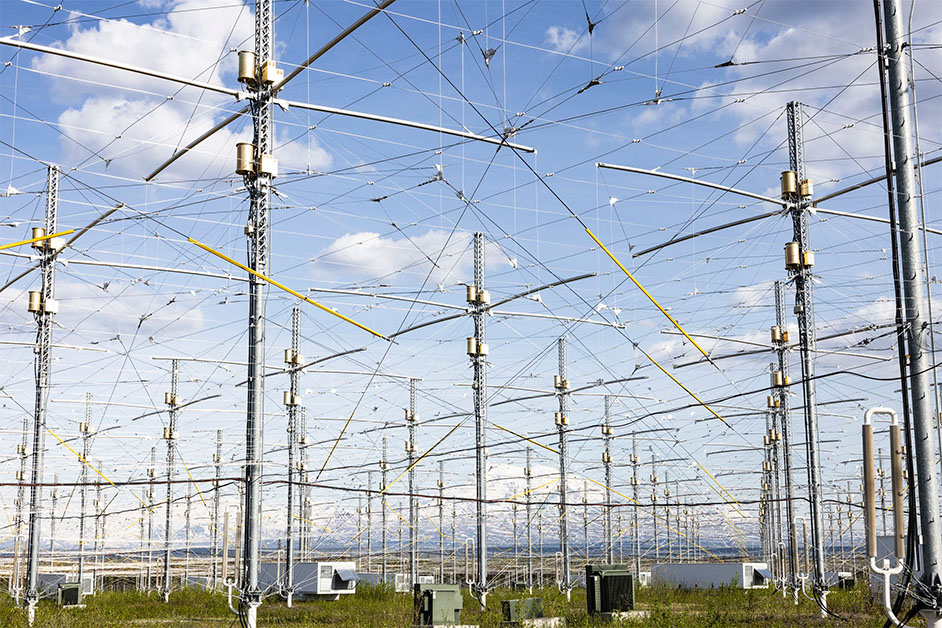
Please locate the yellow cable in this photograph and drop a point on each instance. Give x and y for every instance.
(647, 294)
(40, 239)
(523, 437)
(312, 523)
(92, 467)
(285, 288)
(419, 459)
(509, 499)
(336, 442)
(196, 486)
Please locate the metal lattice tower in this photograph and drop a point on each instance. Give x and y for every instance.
(383, 466)
(441, 520)
(85, 429)
(259, 188)
(292, 401)
(636, 524)
(411, 418)
(785, 421)
(479, 305)
(369, 522)
(217, 463)
(54, 500)
(186, 533)
(21, 526)
(528, 472)
(657, 548)
(305, 507)
(43, 366)
(798, 206)
(151, 477)
(561, 384)
(170, 435)
(607, 460)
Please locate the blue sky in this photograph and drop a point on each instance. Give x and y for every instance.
(361, 206)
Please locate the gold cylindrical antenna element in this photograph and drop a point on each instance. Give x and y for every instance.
(896, 467)
(792, 255)
(35, 301)
(246, 67)
(807, 188)
(870, 504)
(245, 158)
(789, 183)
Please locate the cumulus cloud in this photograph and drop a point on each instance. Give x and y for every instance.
(135, 122)
(369, 256)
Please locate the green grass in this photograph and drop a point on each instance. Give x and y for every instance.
(376, 607)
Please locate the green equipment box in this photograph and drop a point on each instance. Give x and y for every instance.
(438, 604)
(518, 610)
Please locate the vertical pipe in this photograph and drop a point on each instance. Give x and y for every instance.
(912, 272)
(870, 504)
(43, 369)
(225, 548)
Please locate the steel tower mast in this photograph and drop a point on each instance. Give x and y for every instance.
(607, 432)
(170, 435)
(478, 300)
(44, 306)
(293, 360)
(561, 384)
(797, 193)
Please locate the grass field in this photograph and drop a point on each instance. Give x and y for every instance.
(374, 607)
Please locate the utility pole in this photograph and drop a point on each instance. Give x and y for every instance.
(172, 401)
(441, 521)
(43, 305)
(797, 191)
(411, 418)
(292, 399)
(258, 167)
(561, 384)
(478, 301)
(636, 523)
(780, 338)
(916, 332)
(383, 469)
(607, 432)
(528, 473)
(85, 430)
(217, 462)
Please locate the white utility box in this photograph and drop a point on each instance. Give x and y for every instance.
(711, 575)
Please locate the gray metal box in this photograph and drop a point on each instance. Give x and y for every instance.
(518, 610)
(609, 589)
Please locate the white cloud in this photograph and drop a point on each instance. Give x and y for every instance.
(369, 256)
(135, 126)
(564, 39)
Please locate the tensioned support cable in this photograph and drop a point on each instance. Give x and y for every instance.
(285, 288)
